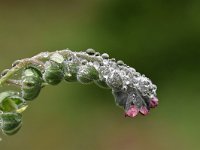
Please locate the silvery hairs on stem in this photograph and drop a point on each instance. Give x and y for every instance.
(132, 91)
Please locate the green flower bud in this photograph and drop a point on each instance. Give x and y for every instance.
(53, 73)
(10, 123)
(101, 84)
(11, 102)
(87, 73)
(31, 83)
(114, 81)
(70, 71)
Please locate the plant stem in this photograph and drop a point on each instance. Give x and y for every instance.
(16, 83)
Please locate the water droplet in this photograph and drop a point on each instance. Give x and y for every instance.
(97, 54)
(105, 61)
(84, 62)
(96, 64)
(4, 72)
(90, 51)
(45, 54)
(122, 73)
(104, 71)
(15, 63)
(124, 88)
(84, 74)
(112, 59)
(120, 62)
(105, 56)
(114, 81)
(70, 71)
(56, 57)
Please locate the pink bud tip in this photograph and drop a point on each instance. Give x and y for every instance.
(154, 102)
(132, 112)
(144, 110)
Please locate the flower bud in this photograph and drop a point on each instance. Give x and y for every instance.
(70, 71)
(31, 83)
(10, 123)
(11, 102)
(153, 102)
(144, 111)
(120, 98)
(87, 73)
(101, 84)
(53, 73)
(114, 81)
(132, 111)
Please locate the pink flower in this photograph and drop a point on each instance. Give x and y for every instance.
(144, 110)
(154, 102)
(132, 111)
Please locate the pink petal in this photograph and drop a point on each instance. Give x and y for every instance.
(154, 102)
(132, 112)
(144, 110)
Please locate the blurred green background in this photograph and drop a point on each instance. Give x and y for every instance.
(160, 38)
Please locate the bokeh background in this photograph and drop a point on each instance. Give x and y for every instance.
(160, 38)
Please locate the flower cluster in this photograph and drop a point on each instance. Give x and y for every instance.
(132, 91)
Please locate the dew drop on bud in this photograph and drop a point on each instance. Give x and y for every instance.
(45, 54)
(90, 51)
(105, 56)
(70, 71)
(4, 72)
(114, 81)
(87, 73)
(56, 57)
(15, 63)
(113, 59)
(97, 54)
(84, 62)
(96, 64)
(120, 62)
